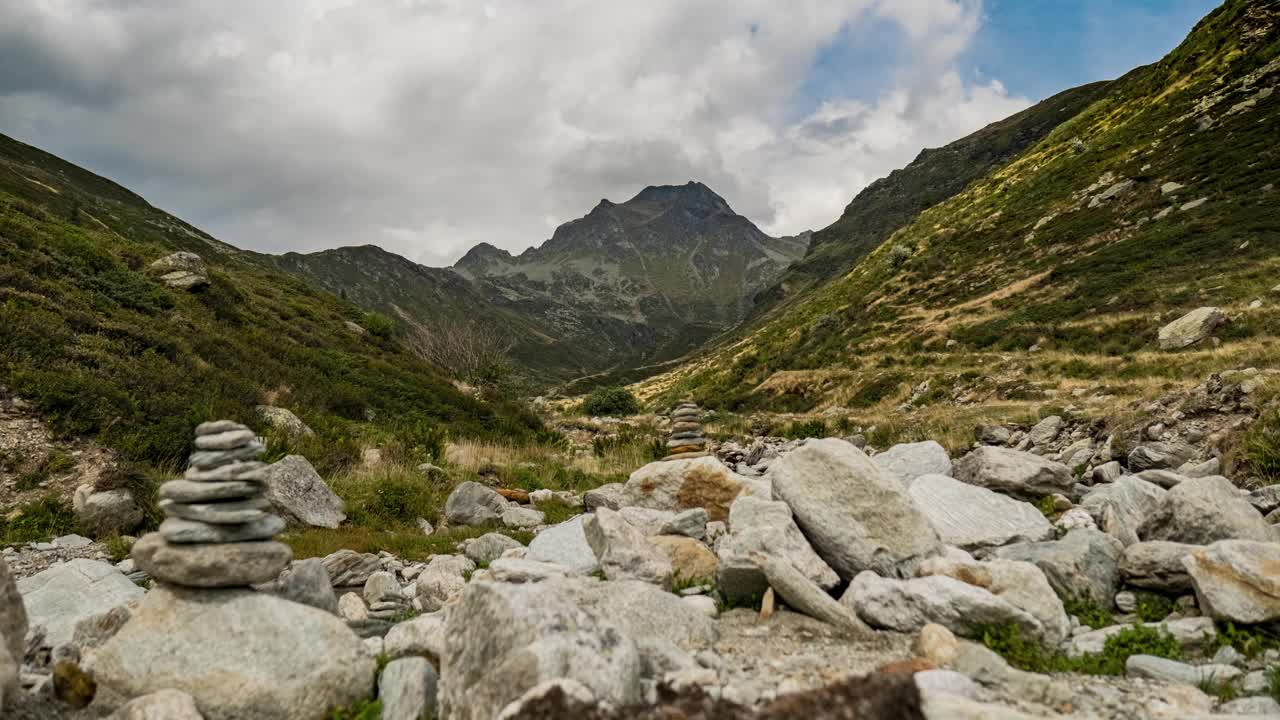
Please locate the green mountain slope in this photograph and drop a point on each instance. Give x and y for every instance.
(1054, 272)
(103, 348)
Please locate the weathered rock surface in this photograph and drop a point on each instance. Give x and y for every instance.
(1123, 507)
(422, 636)
(1158, 668)
(565, 544)
(690, 523)
(106, 512)
(1083, 562)
(758, 525)
(1013, 472)
(443, 578)
(612, 496)
(284, 420)
(240, 654)
(690, 559)
(1191, 328)
(210, 566)
(300, 495)
(407, 689)
(160, 705)
(182, 270)
(1237, 580)
(971, 517)
(306, 582)
(488, 547)
(1158, 456)
(474, 504)
(1200, 511)
(65, 594)
(623, 551)
(801, 594)
(855, 516)
(909, 605)
(348, 568)
(909, 461)
(682, 485)
(1020, 584)
(1156, 565)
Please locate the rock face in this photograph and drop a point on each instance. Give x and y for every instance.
(65, 594)
(13, 617)
(300, 495)
(239, 653)
(1020, 584)
(908, 605)
(565, 544)
(105, 512)
(1157, 565)
(678, 485)
(855, 516)
(757, 525)
(971, 517)
(407, 689)
(161, 705)
(1123, 507)
(1013, 472)
(474, 504)
(1237, 580)
(1083, 562)
(1200, 511)
(623, 551)
(1191, 328)
(182, 270)
(909, 461)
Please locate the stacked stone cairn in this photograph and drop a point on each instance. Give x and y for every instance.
(385, 598)
(687, 441)
(219, 528)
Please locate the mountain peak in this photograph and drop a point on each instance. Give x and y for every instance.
(692, 193)
(482, 256)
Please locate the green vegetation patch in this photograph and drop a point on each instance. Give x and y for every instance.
(1032, 656)
(611, 402)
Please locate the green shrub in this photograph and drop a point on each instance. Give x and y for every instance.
(367, 709)
(58, 462)
(1250, 640)
(1153, 607)
(1088, 611)
(391, 496)
(1273, 682)
(1033, 656)
(611, 401)
(38, 520)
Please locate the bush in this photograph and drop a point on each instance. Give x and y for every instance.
(1032, 656)
(612, 401)
(38, 520)
(1088, 612)
(390, 496)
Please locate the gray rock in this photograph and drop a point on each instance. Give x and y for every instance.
(1045, 431)
(422, 636)
(565, 544)
(234, 512)
(1212, 466)
(1158, 456)
(300, 495)
(380, 586)
(1266, 499)
(678, 485)
(802, 595)
(10, 679)
(1191, 634)
(206, 460)
(623, 551)
(284, 420)
(1256, 706)
(306, 582)
(647, 520)
(909, 605)
(992, 434)
(1158, 668)
(1020, 584)
(187, 491)
(182, 270)
(1191, 328)
(1200, 511)
(225, 440)
(241, 654)
(1083, 563)
(642, 611)
(518, 517)
(1164, 478)
(444, 577)
(348, 568)
(246, 470)
(211, 566)
(855, 516)
(609, 496)
(474, 504)
(949, 706)
(214, 427)
(909, 461)
(1013, 472)
(971, 517)
(518, 570)
(160, 705)
(65, 594)
(689, 523)
(764, 526)
(528, 634)
(13, 617)
(182, 532)
(488, 547)
(1237, 580)
(1157, 565)
(407, 689)
(1107, 472)
(106, 512)
(1123, 507)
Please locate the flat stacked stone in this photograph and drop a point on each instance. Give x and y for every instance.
(220, 528)
(686, 441)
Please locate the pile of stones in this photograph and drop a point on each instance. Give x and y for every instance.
(219, 529)
(385, 598)
(687, 441)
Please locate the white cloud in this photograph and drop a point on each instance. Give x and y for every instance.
(426, 126)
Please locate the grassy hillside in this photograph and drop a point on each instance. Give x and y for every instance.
(1050, 276)
(104, 349)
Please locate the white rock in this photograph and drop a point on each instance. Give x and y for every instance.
(161, 705)
(702, 604)
(1158, 668)
(972, 517)
(351, 607)
(522, 518)
(1021, 584)
(623, 551)
(678, 485)
(565, 544)
(443, 578)
(1192, 327)
(407, 689)
(1204, 510)
(909, 461)
(909, 605)
(474, 504)
(764, 526)
(67, 593)
(1013, 472)
(1237, 580)
(422, 636)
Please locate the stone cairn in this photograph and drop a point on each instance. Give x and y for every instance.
(687, 441)
(218, 533)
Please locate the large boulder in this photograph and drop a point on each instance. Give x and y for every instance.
(348, 568)
(1200, 511)
(182, 270)
(300, 495)
(623, 551)
(69, 592)
(488, 547)
(442, 580)
(908, 605)
(1159, 456)
(684, 484)
(13, 617)
(1013, 472)
(1191, 328)
(565, 544)
(307, 582)
(855, 516)
(1157, 565)
(241, 654)
(802, 595)
(1237, 580)
(1084, 563)
(642, 611)
(1020, 584)
(407, 689)
(284, 420)
(757, 525)
(474, 504)
(691, 560)
(972, 517)
(1123, 507)
(909, 461)
(106, 512)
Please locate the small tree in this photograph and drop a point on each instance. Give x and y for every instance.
(613, 401)
(473, 353)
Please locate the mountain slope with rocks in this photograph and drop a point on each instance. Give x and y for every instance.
(1060, 273)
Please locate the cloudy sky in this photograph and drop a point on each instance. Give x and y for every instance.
(427, 126)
